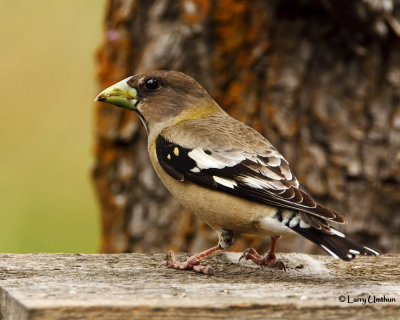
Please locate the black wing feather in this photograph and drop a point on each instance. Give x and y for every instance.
(176, 161)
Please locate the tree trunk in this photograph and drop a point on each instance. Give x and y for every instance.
(319, 79)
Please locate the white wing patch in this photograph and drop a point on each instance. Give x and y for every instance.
(257, 183)
(225, 182)
(204, 160)
(337, 233)
(230, 158)
(260, 164)
(215, 161)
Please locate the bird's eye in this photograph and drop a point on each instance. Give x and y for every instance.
(152, 83)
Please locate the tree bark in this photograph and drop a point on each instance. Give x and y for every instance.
(319, 79)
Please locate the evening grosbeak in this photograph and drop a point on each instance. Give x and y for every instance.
(224, 171)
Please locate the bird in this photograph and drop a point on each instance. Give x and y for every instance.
(224, 171)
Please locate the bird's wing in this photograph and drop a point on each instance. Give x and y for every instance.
(264, 178)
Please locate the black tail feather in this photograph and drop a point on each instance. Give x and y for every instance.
(335, 243)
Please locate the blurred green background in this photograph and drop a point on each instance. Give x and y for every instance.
(47, 86)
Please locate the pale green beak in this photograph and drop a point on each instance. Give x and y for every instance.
(119, 94)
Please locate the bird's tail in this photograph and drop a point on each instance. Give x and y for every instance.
(335, 243)
(321, 233)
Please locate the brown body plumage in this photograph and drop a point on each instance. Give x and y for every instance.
(223, 170)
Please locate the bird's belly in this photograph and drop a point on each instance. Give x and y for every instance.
(221, 210)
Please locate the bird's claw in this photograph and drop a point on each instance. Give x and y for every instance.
(244, 254)
(268, 260)
(190, 263)
(207, 270)
(276, 264)
(170, 256)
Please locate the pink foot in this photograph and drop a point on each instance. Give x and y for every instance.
(268, 260)
(191, 263)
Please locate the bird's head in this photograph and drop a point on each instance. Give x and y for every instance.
(161, 98)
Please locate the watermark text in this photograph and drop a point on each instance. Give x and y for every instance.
(366, 299)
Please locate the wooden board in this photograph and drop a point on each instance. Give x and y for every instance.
(134, 286)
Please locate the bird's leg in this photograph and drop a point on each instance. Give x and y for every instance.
(225, 240)
(269, 259)
(191, 263)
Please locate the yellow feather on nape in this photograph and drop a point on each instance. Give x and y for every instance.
(198, 112)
